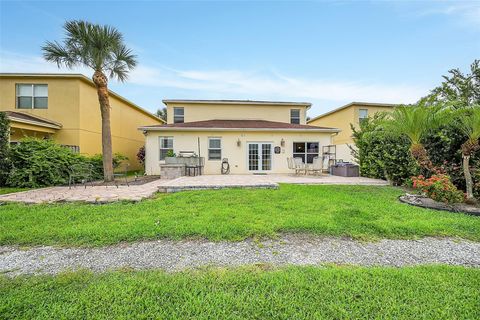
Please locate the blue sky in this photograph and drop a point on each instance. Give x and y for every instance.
(325, 52)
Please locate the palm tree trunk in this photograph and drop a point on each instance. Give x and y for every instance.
(101, 82)
(468, 176)
(420, 155)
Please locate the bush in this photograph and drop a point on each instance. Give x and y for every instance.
(39, 163)
(381, 155)
(5, 163)
(439, 188)
(141, 155)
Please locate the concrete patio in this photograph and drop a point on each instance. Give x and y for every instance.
(102, 194)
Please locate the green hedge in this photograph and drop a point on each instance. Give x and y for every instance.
(38, 163)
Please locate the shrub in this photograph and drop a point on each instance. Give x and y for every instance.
(141, 155)
(5, 164)
(381, 155)
(38, 163)
(438, 187)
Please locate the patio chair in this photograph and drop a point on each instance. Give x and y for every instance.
(121, 171)
(316, 167)
(300, 167)
(290, 163)
(80, 172)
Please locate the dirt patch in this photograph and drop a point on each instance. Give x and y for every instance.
(425, 202)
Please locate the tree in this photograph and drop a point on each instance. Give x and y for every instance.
(469, 124)
(102, 49)
(460, 89)
(5, 164)
(414, 122)
(162, 114)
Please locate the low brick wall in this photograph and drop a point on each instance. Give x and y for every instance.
(172, 171)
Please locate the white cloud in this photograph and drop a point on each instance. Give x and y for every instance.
(237, 83)
(464, 12)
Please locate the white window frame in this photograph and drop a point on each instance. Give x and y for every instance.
(160, 139)
(33, 96)
(297, 118)
(181, 118)
(306, 153)
(360, 118)
(210, 148)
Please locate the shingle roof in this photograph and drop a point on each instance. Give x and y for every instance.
(238, 124)
(25, 117)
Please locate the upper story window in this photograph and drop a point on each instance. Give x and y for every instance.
(178, 115)
(362, 115)
(32, 96)
(295, 116)
(214, 148)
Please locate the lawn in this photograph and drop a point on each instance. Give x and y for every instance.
(426, 292)
(10, 190)
(362, 212)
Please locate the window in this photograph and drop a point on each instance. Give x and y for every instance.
(306, 150)
(362, 115)
(214, 148)
(178, 115)
(32, 96)
(295, 116)
(166, 145)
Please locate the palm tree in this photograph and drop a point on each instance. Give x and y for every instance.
(469, 123)
(414, 122)
(100, 48)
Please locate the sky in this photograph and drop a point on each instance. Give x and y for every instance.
(328, 53)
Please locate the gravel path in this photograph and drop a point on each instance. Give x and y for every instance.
(287, 250)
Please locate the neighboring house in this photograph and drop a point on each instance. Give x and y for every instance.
(342, 117)
(64, 107)
(255, 136)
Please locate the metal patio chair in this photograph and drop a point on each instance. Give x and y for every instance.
(80, 172)
(316, 167)
(300, 167)
(121, 172)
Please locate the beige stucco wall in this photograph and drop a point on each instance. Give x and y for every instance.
(237, 156)
(201, 112)
(124, 122)
(343, 118)
(73, 102)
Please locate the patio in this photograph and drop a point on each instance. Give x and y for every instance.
(102, 194)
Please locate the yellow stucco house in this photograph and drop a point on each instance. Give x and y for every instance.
(64, 107)
(342, 117)
(255, 136)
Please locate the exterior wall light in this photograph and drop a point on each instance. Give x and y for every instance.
(282, 142)
(239, 143)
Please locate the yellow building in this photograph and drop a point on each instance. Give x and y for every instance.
(342, 117)
(255, 136)
(64, 107)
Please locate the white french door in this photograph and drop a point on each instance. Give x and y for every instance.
(259, 156)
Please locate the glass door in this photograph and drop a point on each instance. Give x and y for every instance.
(259, 156)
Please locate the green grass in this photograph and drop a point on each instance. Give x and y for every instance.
(11, 190)
(362, 212)
(427, 292)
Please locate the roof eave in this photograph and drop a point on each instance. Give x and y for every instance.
(331, 130)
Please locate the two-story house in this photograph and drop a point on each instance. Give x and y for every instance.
(64, 107)
(255, 136)
(349, 114)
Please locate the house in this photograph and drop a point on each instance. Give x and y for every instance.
(255, 136)
(64, 107)
(342, 117)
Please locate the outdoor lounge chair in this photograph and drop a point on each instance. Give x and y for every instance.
(316, 167)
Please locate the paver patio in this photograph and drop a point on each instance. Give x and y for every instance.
(102, 194)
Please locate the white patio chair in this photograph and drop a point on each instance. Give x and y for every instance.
(290, 163)
(300, 167)
(316, 167)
